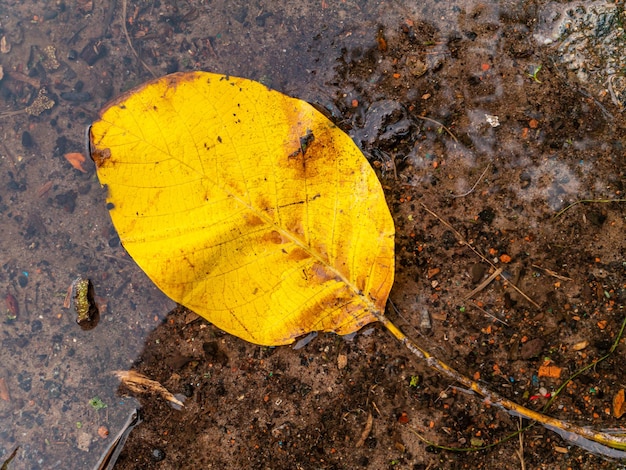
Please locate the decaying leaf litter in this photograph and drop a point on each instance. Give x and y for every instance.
(387, 436)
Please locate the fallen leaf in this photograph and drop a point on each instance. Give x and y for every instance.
(247, 206)
(139, 383)
(76, 160)
(619, 405)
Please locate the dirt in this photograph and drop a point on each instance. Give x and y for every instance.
(481, 138)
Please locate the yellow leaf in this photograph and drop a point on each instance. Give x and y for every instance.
(247, 206)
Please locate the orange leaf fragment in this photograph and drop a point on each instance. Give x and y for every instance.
(433, 272)
(619, 405)
(4, 390)
(76, 159)
(549, 370)
(602, 324)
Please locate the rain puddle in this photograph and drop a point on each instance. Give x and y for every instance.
(495, 115)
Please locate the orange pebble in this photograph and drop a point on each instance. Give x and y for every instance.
(103, 432)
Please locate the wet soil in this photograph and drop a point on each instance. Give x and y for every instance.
(479, 150)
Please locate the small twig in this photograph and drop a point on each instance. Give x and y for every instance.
(520, 451)
(604, 201)
(5, 464)
(484, 284)
(366, 432)
(472, 304)
(549, 272)
(478, 253)
(602, 438)
(439, 124)
(130, 44)
(475, 184)
(614, 99)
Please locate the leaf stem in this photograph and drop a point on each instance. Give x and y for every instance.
(609, 440)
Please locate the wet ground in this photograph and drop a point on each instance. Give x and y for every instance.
(484, 120)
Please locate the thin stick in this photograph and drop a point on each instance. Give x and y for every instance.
(613, 441)
(549, 272)
(586, 200)
(478, 253)
(472, 304)
(439, 124)
(484, 284)
(475, 184)
(520, 451)
(130, 44)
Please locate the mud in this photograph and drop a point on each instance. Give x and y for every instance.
(481, 135)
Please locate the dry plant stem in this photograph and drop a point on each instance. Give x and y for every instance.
(520, 451)
(554, 274)
(475, 184)
(613, 441)
(484, 284)
(366, 430)
(130, 44)
(604, 201)
(479, 254)
(423, 118)
(471, 304)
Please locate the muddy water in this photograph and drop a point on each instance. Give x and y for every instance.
(496, 115)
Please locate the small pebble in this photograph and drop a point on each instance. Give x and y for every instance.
(27, 139)
(103, 432)
(157, 454)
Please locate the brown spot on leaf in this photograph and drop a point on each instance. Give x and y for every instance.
(100, 156)
(298, 254)
(272, 237)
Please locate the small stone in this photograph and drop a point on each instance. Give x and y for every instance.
(532, 348)
(103, 432)
(27, 140)
(83, 441)
(157, 454)
(433, 272)
(342, 361)
(477, 272)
